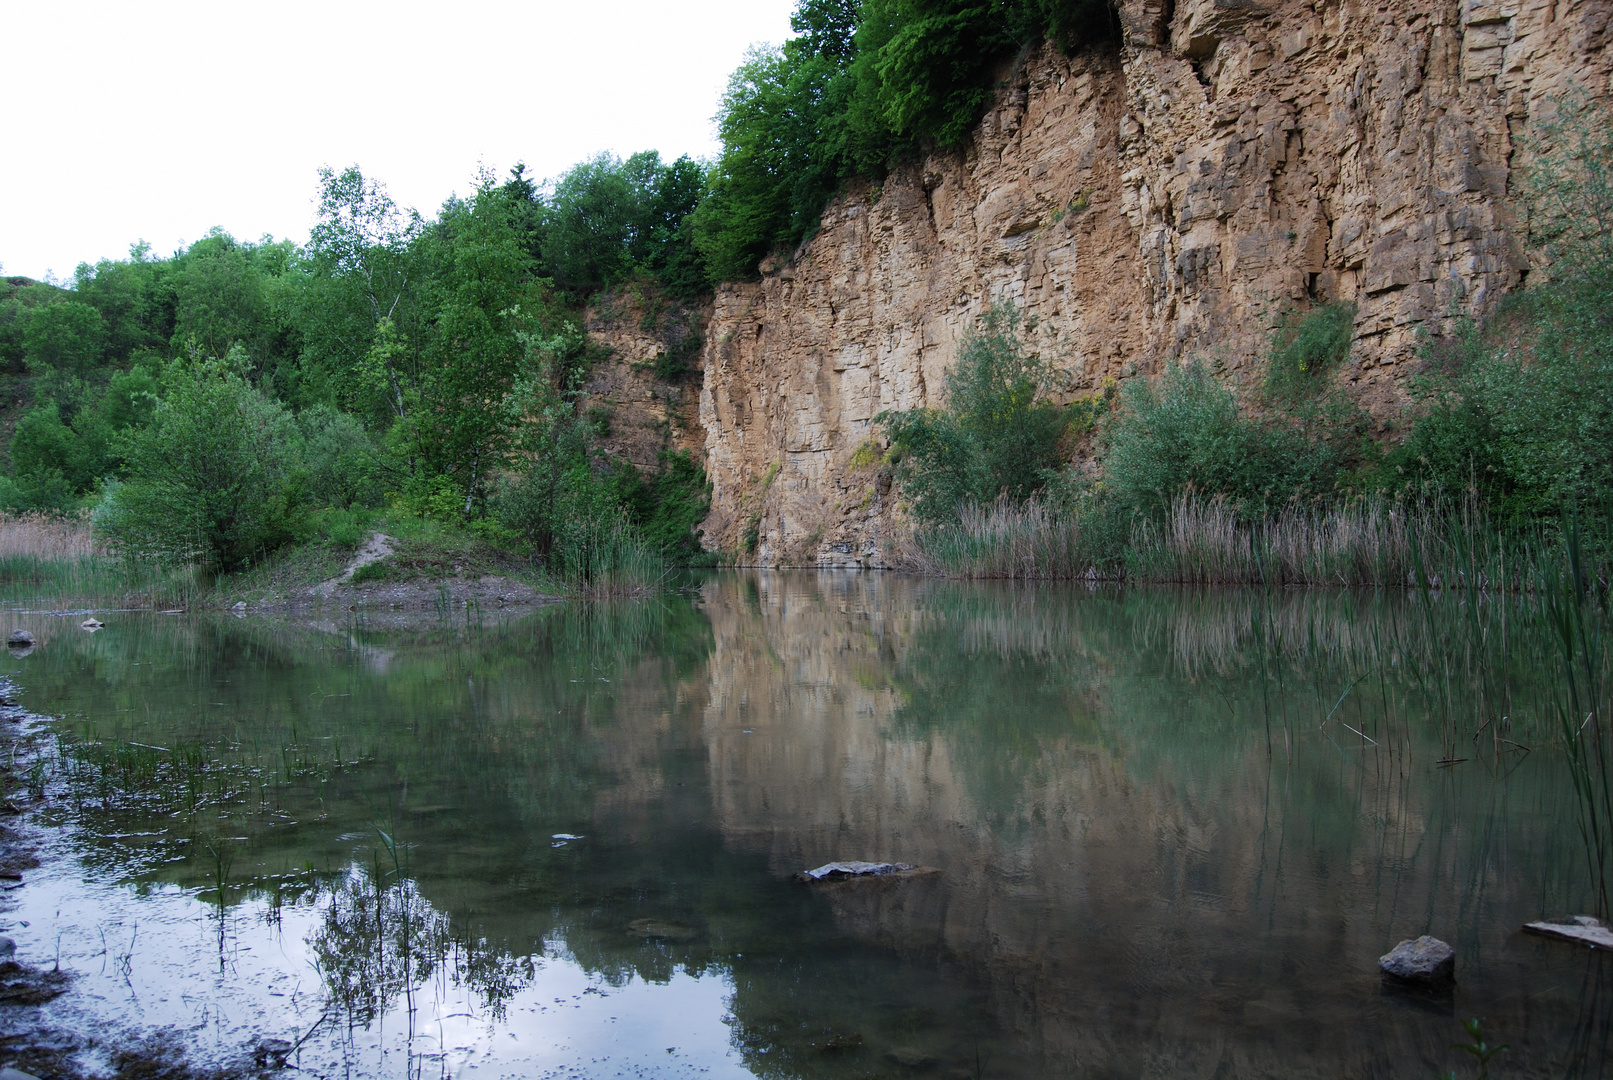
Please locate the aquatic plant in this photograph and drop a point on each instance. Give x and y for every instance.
(1576, 617)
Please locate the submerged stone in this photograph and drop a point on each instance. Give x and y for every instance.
(660, 928)
(272, 1052)
(1426, 961)
(20, 639)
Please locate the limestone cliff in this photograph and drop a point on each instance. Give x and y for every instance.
(639, 409)
(1231, 160)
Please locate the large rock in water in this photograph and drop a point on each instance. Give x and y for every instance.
(1427, 961)
(20, 639)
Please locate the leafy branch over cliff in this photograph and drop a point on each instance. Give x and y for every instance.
(862, 87)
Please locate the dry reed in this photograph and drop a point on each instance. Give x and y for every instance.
(1365, 541)
(1003, 540)
(42, 536)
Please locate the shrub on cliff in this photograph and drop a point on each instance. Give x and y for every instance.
(1187, 433)
(997, 436)
(1520, 409)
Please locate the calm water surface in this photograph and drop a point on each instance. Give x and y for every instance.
(1175, 831)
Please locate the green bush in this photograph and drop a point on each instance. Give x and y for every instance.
(1188, 434)
(44, 490)
(572, 519)
(667, 506)
(43, 443)
(1519, 411)
(213, 478)
(69, 336)
(346, 468)
(997, 435)
(1305, 350)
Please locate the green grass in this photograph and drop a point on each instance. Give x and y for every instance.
(96, 581)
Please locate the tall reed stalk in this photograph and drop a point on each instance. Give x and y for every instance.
(606, 557)
(1004, 540)
(1577, 617)
(1370, 540)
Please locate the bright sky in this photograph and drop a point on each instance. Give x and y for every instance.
(160, 120)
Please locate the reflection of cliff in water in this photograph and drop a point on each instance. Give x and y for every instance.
(1137, 878)
(1137, 884)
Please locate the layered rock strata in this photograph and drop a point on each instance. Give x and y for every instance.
(1231, 161)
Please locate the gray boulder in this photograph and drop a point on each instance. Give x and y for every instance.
(20, 639)
(1427, 961)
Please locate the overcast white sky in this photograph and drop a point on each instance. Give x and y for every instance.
(160, 120)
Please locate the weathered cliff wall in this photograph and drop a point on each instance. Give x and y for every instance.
(1233, 159)
(641, 413)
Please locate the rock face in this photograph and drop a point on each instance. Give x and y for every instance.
(1427, 961)
(1231, 161)
(640, 413)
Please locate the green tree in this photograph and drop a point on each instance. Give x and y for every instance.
(214, 477)
(227, 293)
(608, 218)
(479, 297)
(69, 337)
(355, 304)
(136, 299)
(783, 134)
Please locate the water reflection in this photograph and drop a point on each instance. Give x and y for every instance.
(379, 942)
(1175, 830)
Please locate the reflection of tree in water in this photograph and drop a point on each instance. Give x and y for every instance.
(380, 942)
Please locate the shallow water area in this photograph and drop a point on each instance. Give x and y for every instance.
(1173, 830)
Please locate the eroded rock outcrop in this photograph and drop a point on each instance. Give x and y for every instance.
(1231, 160)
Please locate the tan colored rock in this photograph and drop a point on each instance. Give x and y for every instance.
(642, 414)
(1172, 197)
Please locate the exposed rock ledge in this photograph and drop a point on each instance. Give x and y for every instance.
(1174, 195)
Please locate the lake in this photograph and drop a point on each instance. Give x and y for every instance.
(1173, 832)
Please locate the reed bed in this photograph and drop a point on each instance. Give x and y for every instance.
(607, 558)
(1005, 540)
(47, 559)
(1373, 541)
(42, 536)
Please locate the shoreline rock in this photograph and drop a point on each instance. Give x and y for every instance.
(1581, 929)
